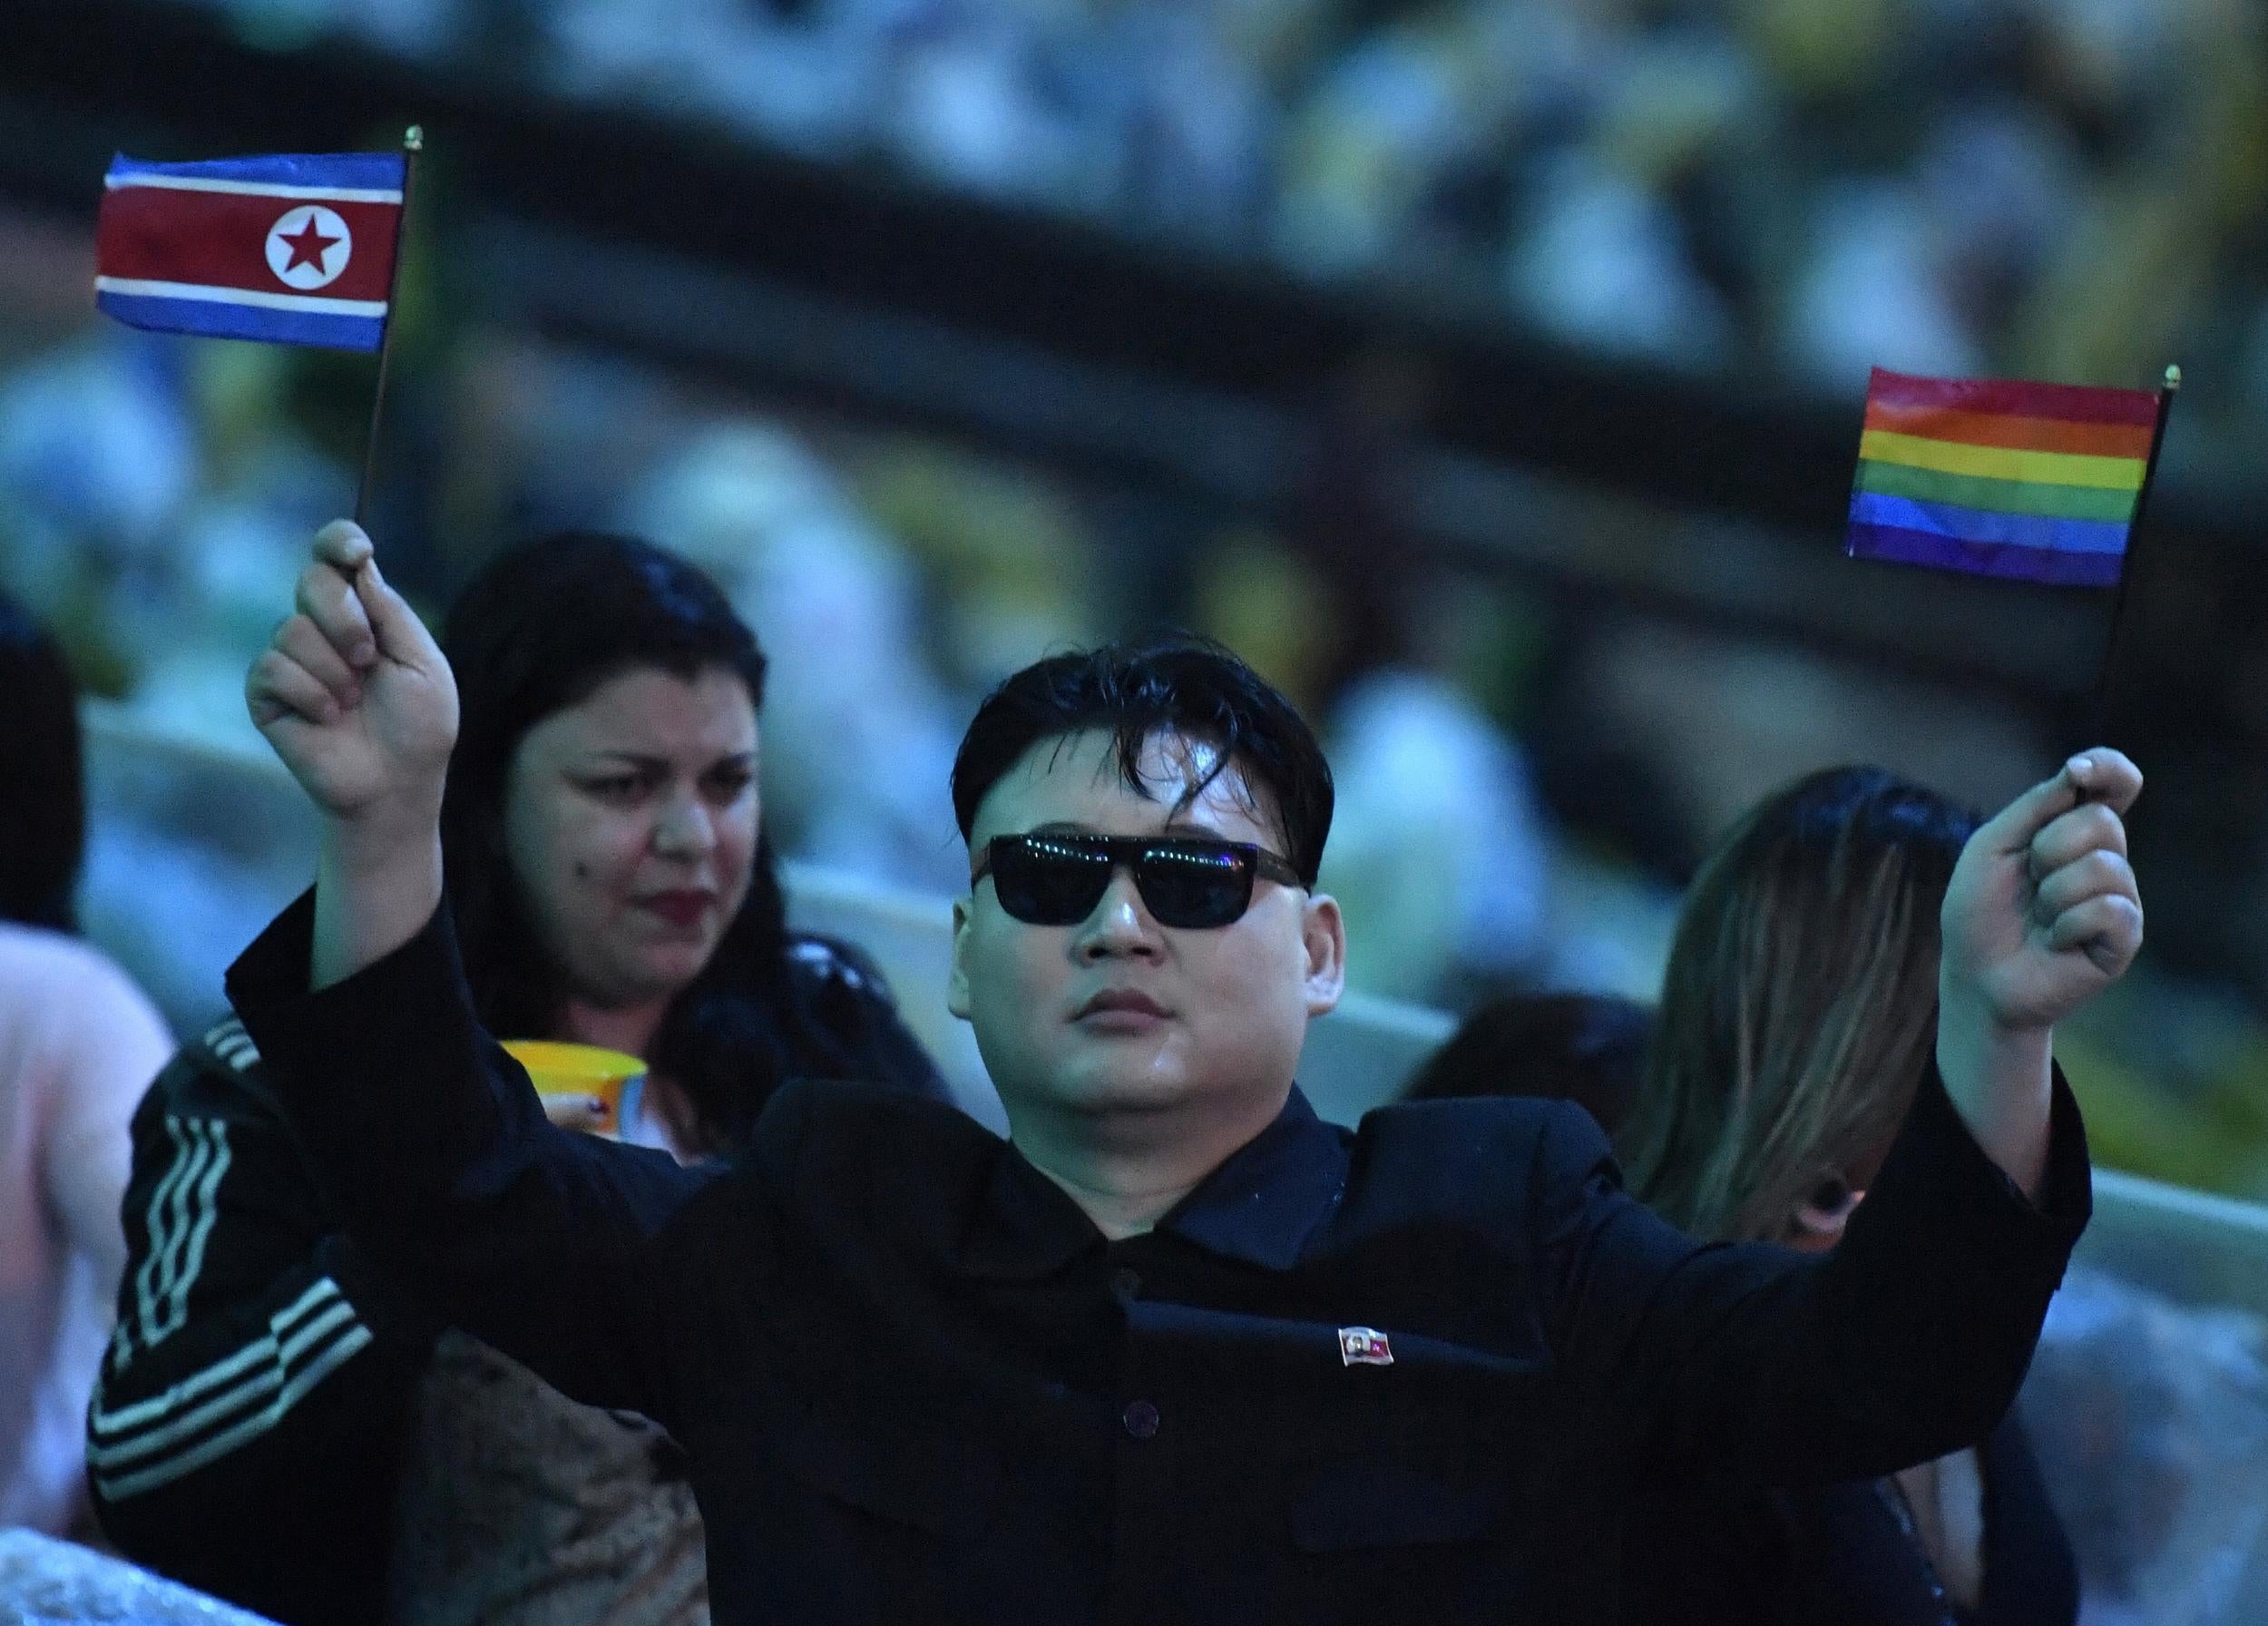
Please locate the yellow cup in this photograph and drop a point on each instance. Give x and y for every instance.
(557, 1068)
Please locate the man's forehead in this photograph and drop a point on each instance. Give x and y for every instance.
(1078, 779)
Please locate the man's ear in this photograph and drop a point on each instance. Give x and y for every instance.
(957, 984)
(1323, 934)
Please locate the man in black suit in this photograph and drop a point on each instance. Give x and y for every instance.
(1178, 1350)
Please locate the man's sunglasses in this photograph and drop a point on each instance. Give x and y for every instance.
(1186, 881)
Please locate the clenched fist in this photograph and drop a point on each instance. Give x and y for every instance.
(353, 694)
(2043, 913)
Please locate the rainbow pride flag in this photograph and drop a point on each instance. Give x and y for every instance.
(2037, 482)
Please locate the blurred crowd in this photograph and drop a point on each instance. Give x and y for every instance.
(2042, 188)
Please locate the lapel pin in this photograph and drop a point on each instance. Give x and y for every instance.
(1363, 1346)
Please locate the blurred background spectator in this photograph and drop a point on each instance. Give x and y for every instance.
(1586, 1048)
(78, 1045)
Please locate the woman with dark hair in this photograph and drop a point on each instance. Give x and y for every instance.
(1797, 1019)
(78, 1045)
(554, 645)
(269, 1425)
(1586, 1048)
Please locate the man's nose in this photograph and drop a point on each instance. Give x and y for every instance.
(1120, 924)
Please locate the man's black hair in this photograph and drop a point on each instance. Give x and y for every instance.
(1163, 683)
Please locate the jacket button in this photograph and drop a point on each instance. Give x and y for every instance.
(1126, 1284)
(1140, 1419)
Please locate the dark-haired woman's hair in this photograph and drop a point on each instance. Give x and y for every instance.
(1799, 1010)
(538, 629)
(1170, 684)
(1587, 1048)
(42, 788)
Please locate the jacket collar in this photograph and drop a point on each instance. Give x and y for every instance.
(1258, 1208)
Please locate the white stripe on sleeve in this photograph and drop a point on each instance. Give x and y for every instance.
(159, 1440)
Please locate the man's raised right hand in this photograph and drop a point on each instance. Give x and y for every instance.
(355, 696)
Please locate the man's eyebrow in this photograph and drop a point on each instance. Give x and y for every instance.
(1174, 827)
(1178, 826)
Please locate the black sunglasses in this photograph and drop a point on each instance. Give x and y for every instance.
(1186, 881)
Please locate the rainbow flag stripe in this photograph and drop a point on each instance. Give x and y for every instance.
(2037, 482)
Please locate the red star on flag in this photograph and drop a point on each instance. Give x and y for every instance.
(308, 246)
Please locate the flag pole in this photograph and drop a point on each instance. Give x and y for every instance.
(2132, 566)
(413, 143)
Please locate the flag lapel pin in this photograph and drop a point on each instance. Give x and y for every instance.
(1364, 1346)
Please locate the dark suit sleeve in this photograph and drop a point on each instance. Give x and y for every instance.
(1908, 1341)
(435, 1152)
(245, 1433)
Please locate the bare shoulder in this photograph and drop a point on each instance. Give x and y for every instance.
(38, 965)
(77, 997)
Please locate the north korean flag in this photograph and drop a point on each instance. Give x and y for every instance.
(293, 248)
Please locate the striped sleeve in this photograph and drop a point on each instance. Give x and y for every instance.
(251, 1358)
(139, 1445)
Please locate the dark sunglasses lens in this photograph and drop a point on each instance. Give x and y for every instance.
(1050, 883)
(1192, 885)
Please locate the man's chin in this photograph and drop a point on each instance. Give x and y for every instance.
(1123, 1087)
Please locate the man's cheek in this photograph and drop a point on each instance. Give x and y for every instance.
(1037, 971)
(1020, 982)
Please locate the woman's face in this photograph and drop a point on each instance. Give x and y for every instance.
(630, 824)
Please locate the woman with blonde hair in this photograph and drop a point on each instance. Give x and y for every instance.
(1798, 1017)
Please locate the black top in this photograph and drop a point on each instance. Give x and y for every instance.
(248, 1425)
(1408, 1373)
(1847, 1555)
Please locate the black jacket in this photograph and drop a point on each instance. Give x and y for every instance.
(1407, 1373)
(248, 1427)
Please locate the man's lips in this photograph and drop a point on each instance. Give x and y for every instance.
(684, 909)
(1122, 1002)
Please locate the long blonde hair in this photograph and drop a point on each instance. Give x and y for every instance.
(1799, 1008)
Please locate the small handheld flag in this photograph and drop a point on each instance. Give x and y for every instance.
(289, 248)
(2035, 481)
